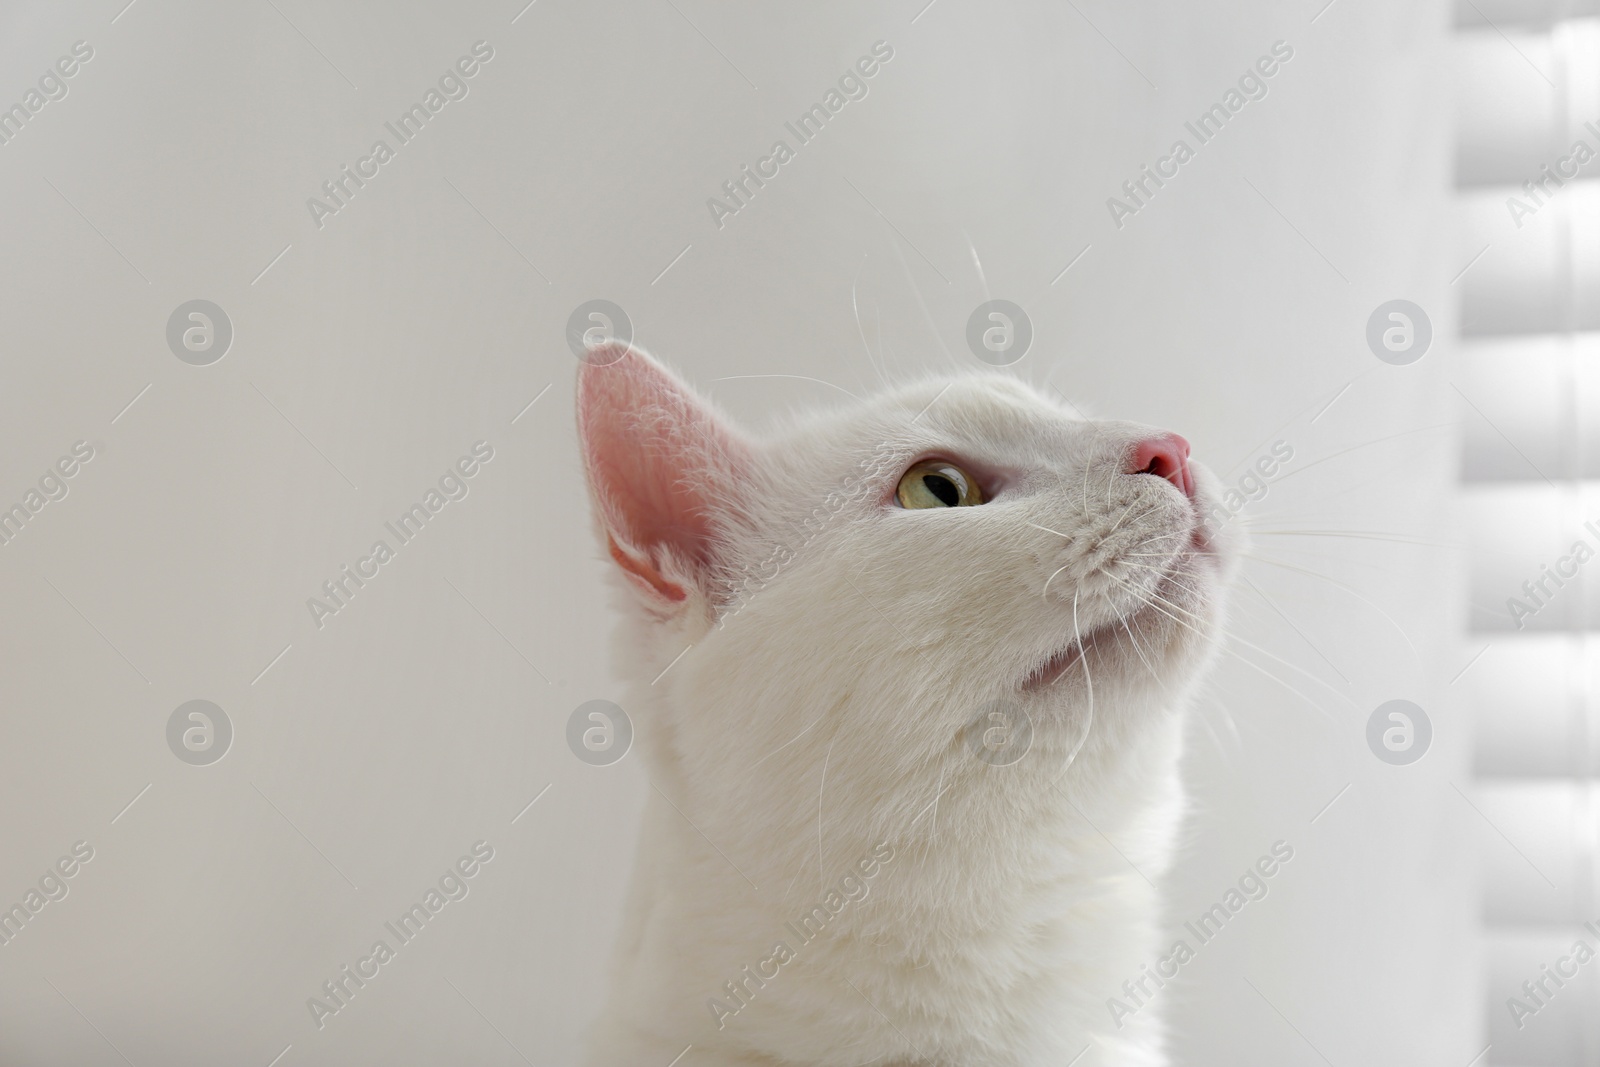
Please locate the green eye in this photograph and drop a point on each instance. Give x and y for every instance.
(935, 483)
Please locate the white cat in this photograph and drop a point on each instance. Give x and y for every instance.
(908, 680)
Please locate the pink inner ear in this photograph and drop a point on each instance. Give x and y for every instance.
(658, 459)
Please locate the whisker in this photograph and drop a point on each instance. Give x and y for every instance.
(789, 742)
(799, 870)
(1142, 566)
(1303, 636)
(1214, 699)
(1087, 463)
(1234, 635)
(1366, 444)
(801, 377)
(1046, 593)
(1083, 658)
(1157, 506)
(922, 305)
(1348, 560)
(1171, 576)
(1358, 534)
(1152, 603)
(1118, 524)
(1215, 740)
(1140, 651)
(1228, 477)
(1163, 535)
(821, 867)
(1347, 588)
(861, 331)
(1047, 530)
(1229, 721)
(1364, 483)
(983, 279)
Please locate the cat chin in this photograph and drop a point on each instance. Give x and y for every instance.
(1173, 600)
(1043, 678)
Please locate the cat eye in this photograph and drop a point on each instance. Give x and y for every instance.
(937, 483)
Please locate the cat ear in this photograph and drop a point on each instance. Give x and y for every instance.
(661, 464)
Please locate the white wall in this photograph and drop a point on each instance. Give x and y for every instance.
(415, 321)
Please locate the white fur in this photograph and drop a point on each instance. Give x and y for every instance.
(1015, 905)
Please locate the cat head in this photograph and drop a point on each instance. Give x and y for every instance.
(887, 574)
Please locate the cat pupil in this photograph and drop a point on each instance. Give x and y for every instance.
(942, 488)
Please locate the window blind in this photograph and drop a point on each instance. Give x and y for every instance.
(1528, 92)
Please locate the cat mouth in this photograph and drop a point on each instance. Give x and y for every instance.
(1157, 602)
(1056, 667)
(1064, 662)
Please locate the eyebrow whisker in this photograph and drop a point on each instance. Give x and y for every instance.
(1045, 594)
(1047, 529)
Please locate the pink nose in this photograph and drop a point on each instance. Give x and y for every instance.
(1165, 456)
